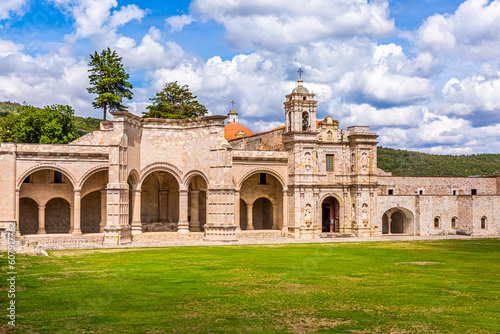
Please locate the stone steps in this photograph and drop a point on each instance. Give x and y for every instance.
(335, 235)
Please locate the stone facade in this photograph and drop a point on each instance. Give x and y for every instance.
(135, 176)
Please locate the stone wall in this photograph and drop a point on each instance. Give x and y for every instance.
(264, 141)
(406, 185)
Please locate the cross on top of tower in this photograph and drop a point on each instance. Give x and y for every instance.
(300, 73)
(232, 104)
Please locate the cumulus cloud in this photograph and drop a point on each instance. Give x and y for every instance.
(177, 22)
(472, 31)
(284, 24)
(44, 80)
(12, 7)
(385, 80)
(96, 17)
(476, 98)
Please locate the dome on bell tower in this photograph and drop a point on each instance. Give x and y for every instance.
(300, 89)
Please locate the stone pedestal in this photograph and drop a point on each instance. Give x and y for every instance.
(309, 232)
(225, 233)
(116, 236)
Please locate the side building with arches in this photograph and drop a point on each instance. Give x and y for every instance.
(144, 179)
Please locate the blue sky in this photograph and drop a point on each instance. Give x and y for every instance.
(423, 74)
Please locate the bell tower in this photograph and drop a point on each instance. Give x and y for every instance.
(300, 110)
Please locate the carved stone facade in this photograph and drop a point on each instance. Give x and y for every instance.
(182, 177)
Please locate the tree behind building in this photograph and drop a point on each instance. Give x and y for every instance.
(53, 124)
(109, 81)
(175, 102)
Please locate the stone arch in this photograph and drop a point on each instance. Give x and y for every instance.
(40, 167)
(134, 176)
(272, 200)
(160, 187)
(91, 172)
(197, 185)
(334, 195)
(254, 171)
(160, 167)
(404, 221)
(64, 197)
(191, 175)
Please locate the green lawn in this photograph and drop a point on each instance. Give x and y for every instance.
(449, 286)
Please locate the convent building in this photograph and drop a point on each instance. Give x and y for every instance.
(139, 178)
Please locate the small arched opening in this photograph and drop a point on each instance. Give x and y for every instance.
(398, 221)
(330, 209)
(159, 202)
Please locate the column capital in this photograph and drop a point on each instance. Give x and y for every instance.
(41, 206)
(249, 205)
(77, 191)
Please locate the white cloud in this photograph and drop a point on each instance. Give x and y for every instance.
(476, 97)
(384, 80)
(284, 24)
(472, 31)
(96, 17)
(45, 79)
(178, 22)
(10, 7)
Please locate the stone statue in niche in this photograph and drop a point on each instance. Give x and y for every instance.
(329, 135)
(364, 212)
(364, 162)
(353, 163)
(305, 121)
(308, 161)
(307, 214)
(353, 213)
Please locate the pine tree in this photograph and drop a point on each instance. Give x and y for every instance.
(175, 102)
(109, 81)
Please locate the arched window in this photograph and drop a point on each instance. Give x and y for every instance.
(305, 121)
(436, 222)
(483, 223)
(454, 222)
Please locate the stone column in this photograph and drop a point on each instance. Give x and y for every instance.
(237, 209)
(76, 203)
(183, 226)
(136, 216)
(389, 223)
(285, 210)
(332, 215)
(195, 212)
(102, 224)
(71, 218)
(163, 198)
(275, 218)
(249, 217)
(41, 220)
(18, 233)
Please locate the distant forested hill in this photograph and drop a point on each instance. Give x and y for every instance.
(83, 125)
(407, 163)
(399, 162)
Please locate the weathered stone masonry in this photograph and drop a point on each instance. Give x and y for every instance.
(136, 176)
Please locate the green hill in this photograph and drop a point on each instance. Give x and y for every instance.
(83, 125)
(399, 162)
(407, 163)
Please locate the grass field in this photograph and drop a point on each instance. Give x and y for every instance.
(450, 286)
